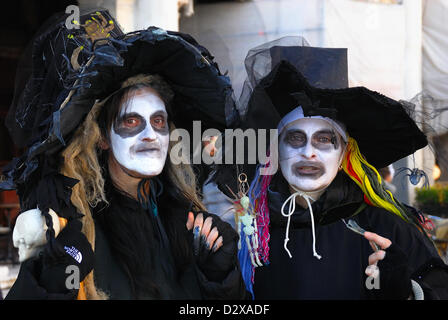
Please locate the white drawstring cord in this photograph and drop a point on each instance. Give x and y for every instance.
(292, 207)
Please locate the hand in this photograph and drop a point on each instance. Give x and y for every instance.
(209, 145)
(70, 248)
(214, 245)
(390, 264)
(383, 243)
(205, 238)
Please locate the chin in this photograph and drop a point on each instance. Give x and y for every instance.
(308, 188)
(301, 185)
(146, 174)
(146, 168)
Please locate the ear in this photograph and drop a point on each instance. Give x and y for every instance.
(344, 151)
(103, 144)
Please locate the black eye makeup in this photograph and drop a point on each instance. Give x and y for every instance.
(322, 140)
(295, 138)
(129, 124)
(159, 121)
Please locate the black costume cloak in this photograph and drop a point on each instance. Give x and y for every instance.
(281, 78)
(71, 71)
(339, 274)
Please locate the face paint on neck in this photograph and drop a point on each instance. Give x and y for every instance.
(140, 134)
(310, 153)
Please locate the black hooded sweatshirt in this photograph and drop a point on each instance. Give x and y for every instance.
(340, 273)
(177, 279)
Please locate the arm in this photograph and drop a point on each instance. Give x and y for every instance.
(407, 254)
(216, 257)
(55, 270)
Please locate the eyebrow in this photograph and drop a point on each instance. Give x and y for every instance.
(160, 113)
(136, 114)
(288, 131)
(130, 114)
(329, 131)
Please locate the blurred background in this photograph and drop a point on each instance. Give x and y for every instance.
(396, 47)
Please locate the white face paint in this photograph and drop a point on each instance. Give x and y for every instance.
(140, 134)
(310, 152)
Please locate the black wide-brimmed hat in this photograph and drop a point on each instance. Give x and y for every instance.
(381, 126)
(286, 73)
(74, 68)
(50, 70)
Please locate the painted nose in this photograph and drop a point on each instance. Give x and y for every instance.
(148, 134)
(308, 151)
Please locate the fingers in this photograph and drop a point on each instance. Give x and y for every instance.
(190, 220)
(218, 244)
(205, 231)
(376, 256)
(204, 236)
(376, 241)
(374, 246)
(384, 243)
(197, 226)
(372, 271)
(213, 235)
(209, 145)
(206, 227)
(198, 222)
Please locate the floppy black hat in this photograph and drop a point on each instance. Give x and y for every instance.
(72, 69)
(381, 126)
(322, 67)
(288, 72)
(50, 68)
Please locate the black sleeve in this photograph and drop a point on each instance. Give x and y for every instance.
(28, 285)
(433, 278)
(231, 288)
(57, 271)
(425, 265)
(219, 275)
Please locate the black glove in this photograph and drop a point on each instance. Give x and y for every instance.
(395, 275)
(216, 265)
(70, 255)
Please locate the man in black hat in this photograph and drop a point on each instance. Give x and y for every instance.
(327, 226)
(99, 172)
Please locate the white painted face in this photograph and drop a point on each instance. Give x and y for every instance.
(139, 135)
(310, 152)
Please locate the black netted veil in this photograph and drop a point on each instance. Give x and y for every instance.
(322, 67)
(431, 116)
